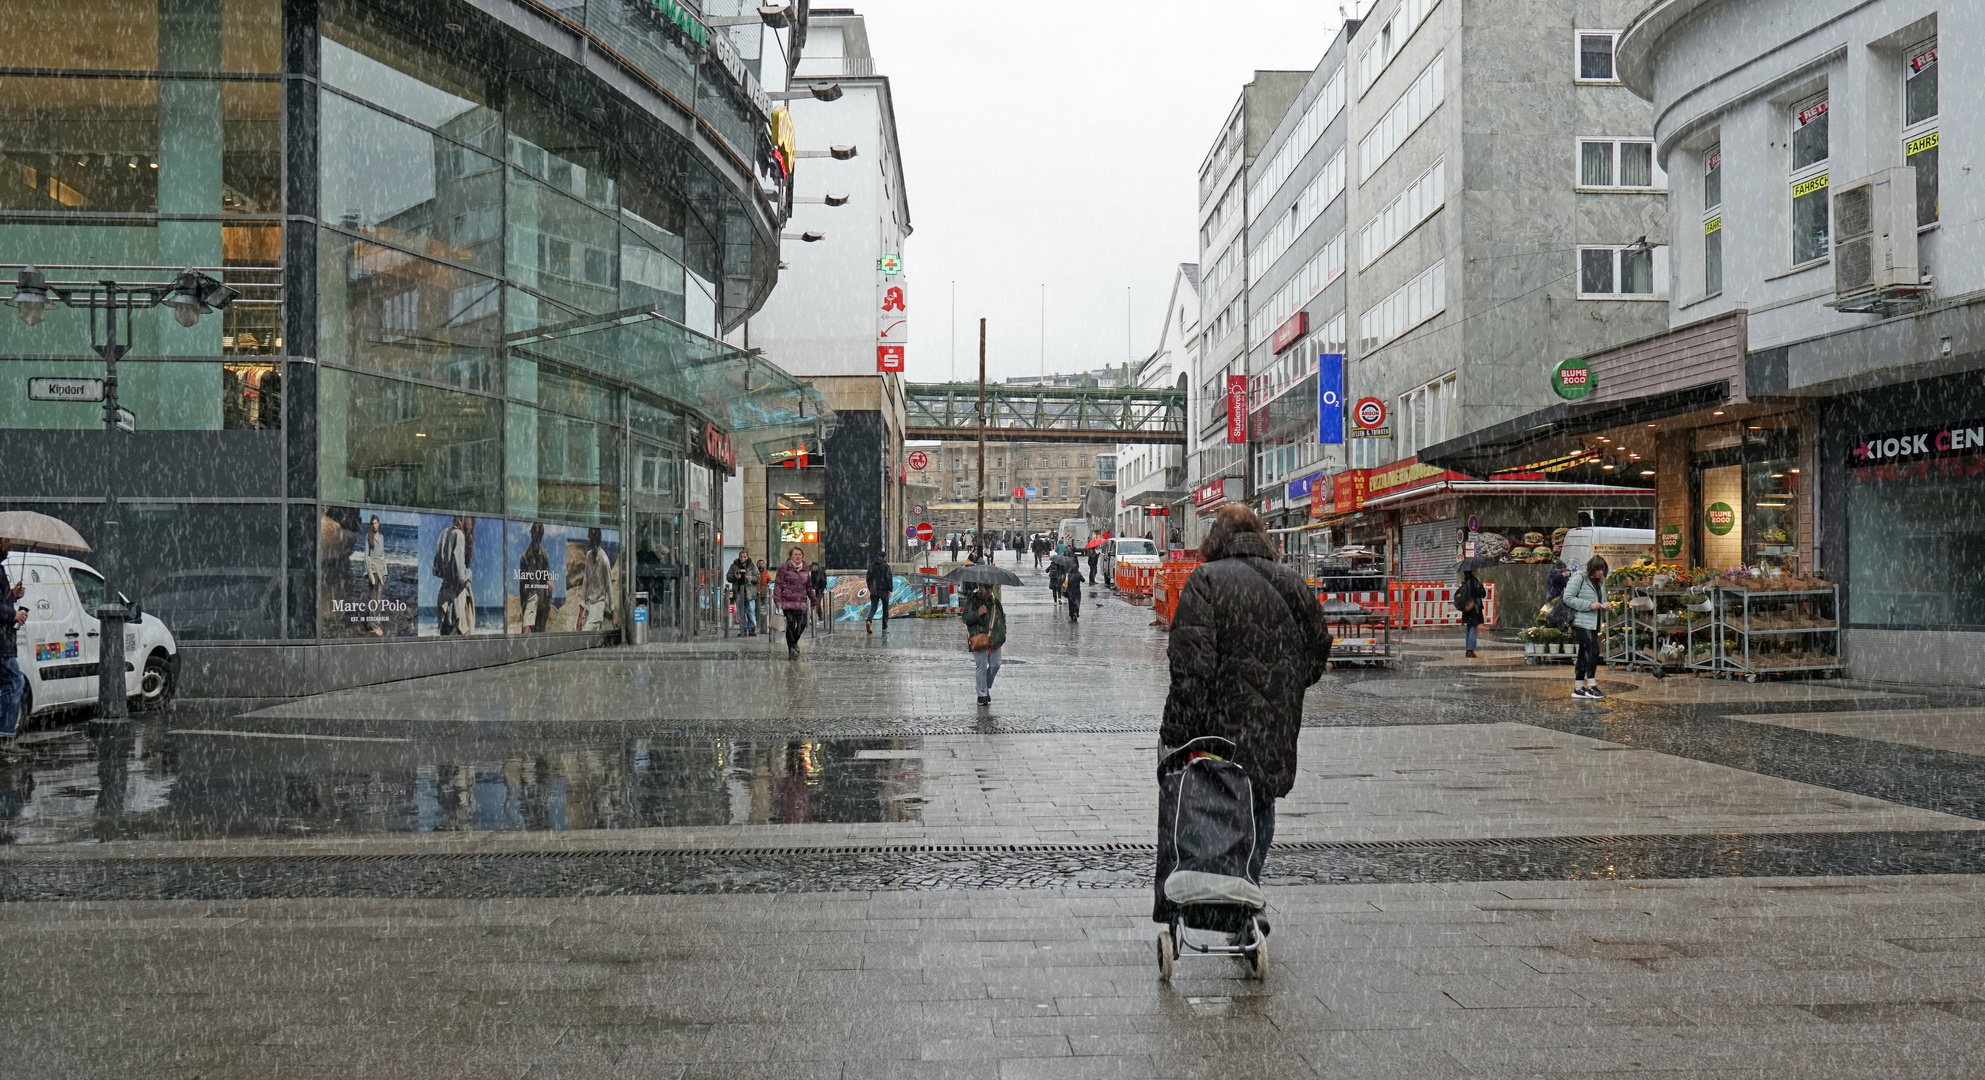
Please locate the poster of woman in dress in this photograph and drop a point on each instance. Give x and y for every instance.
(461, 580)
(369, 570)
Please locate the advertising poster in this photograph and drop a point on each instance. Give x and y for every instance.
(368, 573)
(534, 584)
(460, 564)
(1520, 544)
(592, 580)
(847, 597)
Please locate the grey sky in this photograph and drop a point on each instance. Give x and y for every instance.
(1059, 143)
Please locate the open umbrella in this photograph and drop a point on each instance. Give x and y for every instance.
(983, 574)
(1095, 542)
(29, 529)
(1477, 563)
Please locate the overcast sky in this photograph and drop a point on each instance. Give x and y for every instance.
(1059, 143)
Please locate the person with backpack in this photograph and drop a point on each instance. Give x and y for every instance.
(1469, 598)
(1248, 639)
(1585, 595)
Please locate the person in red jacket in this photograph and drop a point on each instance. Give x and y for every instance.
(791, 592)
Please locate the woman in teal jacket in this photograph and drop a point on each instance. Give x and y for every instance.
(1585, 595)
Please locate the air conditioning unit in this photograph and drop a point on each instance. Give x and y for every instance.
(1874, 236)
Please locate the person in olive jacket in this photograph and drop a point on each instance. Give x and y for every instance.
(985, 630)
(1248, 638)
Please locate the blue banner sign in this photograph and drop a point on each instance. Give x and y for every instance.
(1330, 399)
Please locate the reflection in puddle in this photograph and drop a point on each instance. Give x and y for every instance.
(212, 784)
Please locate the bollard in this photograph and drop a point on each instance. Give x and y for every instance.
(640, 627)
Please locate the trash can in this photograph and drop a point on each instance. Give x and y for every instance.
(640, 618)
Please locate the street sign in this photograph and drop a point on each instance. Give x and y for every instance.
(126, 419)
(1369, 413)
(909, 532)
(1031, 493)
(917, 509)
(919, 459)
(925, 532)
(50, 388)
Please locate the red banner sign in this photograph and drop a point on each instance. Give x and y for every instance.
(1289, 332)
(889, 358)
(718, 445)
(1237, 408)
(1209, 494)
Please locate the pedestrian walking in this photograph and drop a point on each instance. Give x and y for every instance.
(985, 627)
(1095, 553)
(12, 682)
(1073, 588)
(761, 611)
(881, 583)
(1585, 595)
(742, 577)
(1469, 596)
(1056, 573)
(954, 547)
(816, 588)
(1248, 638)
(790, 592)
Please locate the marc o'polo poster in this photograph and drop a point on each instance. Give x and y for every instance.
(368, 577)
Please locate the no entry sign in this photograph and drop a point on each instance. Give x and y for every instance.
(925, 532)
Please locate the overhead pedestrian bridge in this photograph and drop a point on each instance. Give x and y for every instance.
(1067, 414)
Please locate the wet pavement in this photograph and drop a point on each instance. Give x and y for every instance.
(708, 860)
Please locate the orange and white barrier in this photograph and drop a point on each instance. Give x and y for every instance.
(1135, 580)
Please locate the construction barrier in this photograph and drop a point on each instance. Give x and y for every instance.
(940, 597)
(1166, 586)
(1414, 603)
(1135, 580)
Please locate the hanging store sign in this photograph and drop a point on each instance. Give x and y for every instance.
(1348, 490)
(718, 446)
(1289, 333)
(1920, 444)
(1300, 489)
(890, 265)
(919, 459)
(889, 358)
(1368, 414)
(1212, 494)
(1237, 408)
(1573, 379)
(1330, 399)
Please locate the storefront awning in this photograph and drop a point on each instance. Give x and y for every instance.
(1499, 487)
(743, 392)
(1554, 432)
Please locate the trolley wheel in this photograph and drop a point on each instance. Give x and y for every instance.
(1258, 959)
(1751, 677)
(1166, 952)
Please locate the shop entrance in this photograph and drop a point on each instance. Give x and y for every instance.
(1744, 490)
(795, 512)
(660, 563)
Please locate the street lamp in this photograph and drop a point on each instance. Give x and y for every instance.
(838, 153)
(830, 199)
(811, 236)
(816, 91)
(191, 294)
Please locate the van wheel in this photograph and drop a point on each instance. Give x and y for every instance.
(155, 686)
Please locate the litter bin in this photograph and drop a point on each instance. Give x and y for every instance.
(640, 618)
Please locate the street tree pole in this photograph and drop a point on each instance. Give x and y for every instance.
(982, 434)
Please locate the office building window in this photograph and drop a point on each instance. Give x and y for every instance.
(1619, 164)
(1428, 414)
(1919, 133)
(1809, 180)
(1627, 272)
(1595, 56)
(1712, 221)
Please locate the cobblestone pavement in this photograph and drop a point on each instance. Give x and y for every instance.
(706, 860)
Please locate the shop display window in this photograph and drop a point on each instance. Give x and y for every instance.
(234, 36)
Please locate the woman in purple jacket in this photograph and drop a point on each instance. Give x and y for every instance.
(791, 593)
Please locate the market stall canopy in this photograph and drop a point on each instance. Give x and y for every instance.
(753, 398)
(1551, 434)
(26, 528)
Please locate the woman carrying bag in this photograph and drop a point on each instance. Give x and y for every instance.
(791, 592)
(985, 623)
(1585, 595)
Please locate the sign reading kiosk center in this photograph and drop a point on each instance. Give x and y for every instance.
(1573, 379)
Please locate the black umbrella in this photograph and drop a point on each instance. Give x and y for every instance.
(1477, 563)
(983, 574)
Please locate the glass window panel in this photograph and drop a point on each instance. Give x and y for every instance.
(1809, 136)
(563, 248)
(1595, 56)
(649, 278)
(1923, 156)
(235, 395)
(393, 70)
(559, 153)
(1712, 259)
(140, 146)
(1595, 164)
(1636, 164)
(1595, 270)
(1637, 272)
(124, 35)
(385, 310)
(394, 443)
(1712, 179)
(1921, 89)
(1809, 226)
(1898, 526)
(394, 182)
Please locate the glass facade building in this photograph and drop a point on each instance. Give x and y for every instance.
(472, 385)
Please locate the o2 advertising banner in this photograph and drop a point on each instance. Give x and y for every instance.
(1330, 399)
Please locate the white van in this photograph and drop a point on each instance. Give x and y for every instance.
(1129, 551)
(1075, 531)
(57, 646)
(1619, 547)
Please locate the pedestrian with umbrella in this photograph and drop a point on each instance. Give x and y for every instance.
(34, 530)
(985, 620)
(1095, 553)
(1469, 598)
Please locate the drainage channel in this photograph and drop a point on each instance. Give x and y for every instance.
(482, 875)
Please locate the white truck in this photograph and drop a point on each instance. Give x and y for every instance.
(1619, 547)
(58, 645)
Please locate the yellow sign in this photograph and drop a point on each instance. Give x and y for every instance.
(1713, 225)
(1920, 143)
(782, 137)
(1809, 185)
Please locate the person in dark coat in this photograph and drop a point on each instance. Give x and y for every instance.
(1072, 588)
(1248, 639)
(1056, 574)
(1095, 553)
(791, 592)
(1469, 597)
(980, 608)
(881, 583)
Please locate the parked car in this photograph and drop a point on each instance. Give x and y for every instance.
(58, 645)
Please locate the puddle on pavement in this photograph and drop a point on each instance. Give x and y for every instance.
(206, 783)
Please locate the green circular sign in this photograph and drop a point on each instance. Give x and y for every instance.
(1719, 518)
(1671, 541)
(1573, 379)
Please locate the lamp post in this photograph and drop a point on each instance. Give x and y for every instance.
(190, 294)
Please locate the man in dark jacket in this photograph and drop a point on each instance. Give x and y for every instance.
(12, 682)
(881, 583)
(1469, 598)
(1248, 638)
